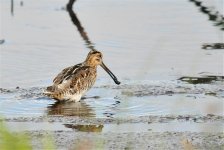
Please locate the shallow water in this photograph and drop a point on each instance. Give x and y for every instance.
(119, 128)
(148, 45)
(128, 100)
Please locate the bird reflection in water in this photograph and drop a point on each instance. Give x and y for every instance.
(65, 108)
(85, 128)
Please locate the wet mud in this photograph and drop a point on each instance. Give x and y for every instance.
(143, 119)
(184, 85)
(151, 140)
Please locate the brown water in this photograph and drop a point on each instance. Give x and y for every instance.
(149, 45)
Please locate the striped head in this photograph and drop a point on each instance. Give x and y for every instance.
(95, 58)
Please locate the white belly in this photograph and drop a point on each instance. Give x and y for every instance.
(73, 97)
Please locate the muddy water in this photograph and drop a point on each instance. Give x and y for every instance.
(149, 45)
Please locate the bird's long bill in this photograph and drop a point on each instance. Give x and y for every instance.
(110, 73)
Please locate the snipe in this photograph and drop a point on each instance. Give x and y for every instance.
(73, 82)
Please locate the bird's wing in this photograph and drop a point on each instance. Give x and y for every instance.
(73, 78)
(65, 74)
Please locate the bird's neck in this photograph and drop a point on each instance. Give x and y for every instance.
(90, 63)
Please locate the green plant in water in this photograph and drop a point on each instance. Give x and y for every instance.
(10, 141)
(48, 143)
(20, 141)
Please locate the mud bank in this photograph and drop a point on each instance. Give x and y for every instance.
(151, 140)
(138, 88)
(141, 119)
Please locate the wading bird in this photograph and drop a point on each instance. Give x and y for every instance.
(73, 82)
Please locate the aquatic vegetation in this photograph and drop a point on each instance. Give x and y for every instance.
(9, 140)
(47, 142)
(20, 141)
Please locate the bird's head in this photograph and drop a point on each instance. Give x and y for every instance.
(95, 58)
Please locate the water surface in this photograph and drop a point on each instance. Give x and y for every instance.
(149, 45)
(153, 40)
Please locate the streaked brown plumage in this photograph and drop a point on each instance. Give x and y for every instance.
(73, 82)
